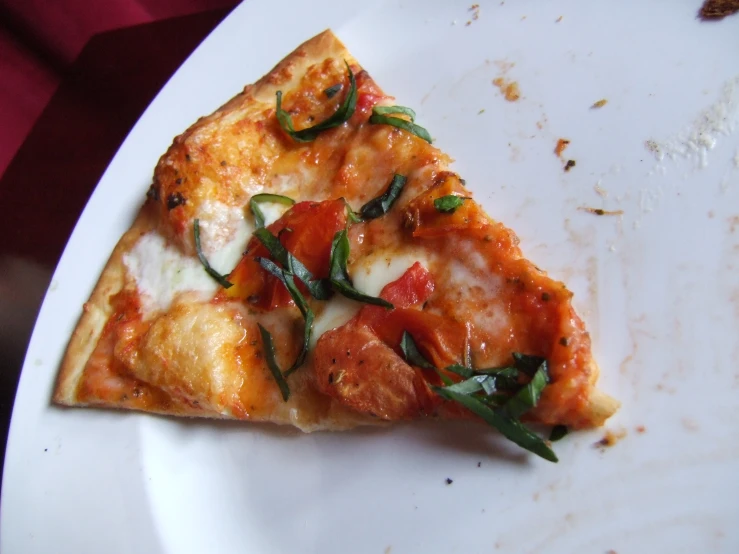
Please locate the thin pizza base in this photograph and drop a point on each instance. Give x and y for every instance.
(200, 391)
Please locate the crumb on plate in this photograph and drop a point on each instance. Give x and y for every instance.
(509, 89)
(610, 438)
(718, 9)
(561, 145)
(600, 211)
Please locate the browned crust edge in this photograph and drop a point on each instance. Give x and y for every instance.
(600, 406)
(96, 311)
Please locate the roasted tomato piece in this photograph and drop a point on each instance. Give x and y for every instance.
(425, 220)
(352, 365)
(360, 364)
(306, 231)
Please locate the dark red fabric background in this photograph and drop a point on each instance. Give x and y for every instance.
(39, 39)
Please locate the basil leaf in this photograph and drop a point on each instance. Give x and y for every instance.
(470, 386)
(385, 110)
(286, 277)
(558, 432)
(489, 384)
(511, 428)
(461, 370)
(495, 400)
(318, 288)
(225, 283)
(269, 354)
(350, 213)
(401, 124)
(505, 377)
(528, 396)
(266, 197)
(331, 91)
(411, 354)
(341, 115)
(448, 204)
(379, 206)
(526, 363)
(340, 277)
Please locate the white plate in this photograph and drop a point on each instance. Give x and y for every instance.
(658, 287)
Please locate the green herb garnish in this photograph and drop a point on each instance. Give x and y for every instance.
(286, 277)
(340, 277)
(380, 116)
(330, 92)
(379, 206)
(528, 396)
(351, 215)
(527, 363)
(411, 353)
(448, 204)
(511, 428)
(269, 354)
(558, 432)
(390, 110)
(480, 392)
(225, 283)
(266, 197)
(341, 115)
(318, 288)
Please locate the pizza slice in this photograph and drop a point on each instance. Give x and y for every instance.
(305, 256)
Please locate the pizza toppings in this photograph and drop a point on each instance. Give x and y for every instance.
(487, 393)
(304, 235)
(266, 197)
(225, 283)
(449, 203)
(340, 116)
(286, 278)
(379, 206)
(331, 91)
(460, 301)
(339, 276)
(271, 359)
(426, 219)
(317, 287)
(380, 116)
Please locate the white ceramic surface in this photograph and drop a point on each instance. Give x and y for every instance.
(658, 287)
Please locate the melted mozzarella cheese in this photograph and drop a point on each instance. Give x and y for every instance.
(477, 291)
(224, 232)
(335, 314)
(371, 274)
(161, 272)
(272, 211)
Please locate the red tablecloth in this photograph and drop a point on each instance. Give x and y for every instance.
(47, 184)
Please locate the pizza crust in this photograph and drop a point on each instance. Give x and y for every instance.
(97, 310)
(156, 216)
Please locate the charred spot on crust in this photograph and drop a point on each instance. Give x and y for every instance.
(178, 181)
(175, 199)
(153, 192)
